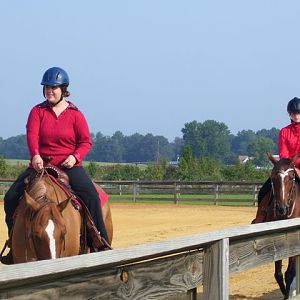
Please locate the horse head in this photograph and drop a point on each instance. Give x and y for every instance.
(283, 179)
(46, 226)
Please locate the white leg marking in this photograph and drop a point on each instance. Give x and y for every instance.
(50, 232)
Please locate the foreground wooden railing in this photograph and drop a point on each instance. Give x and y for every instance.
(171, 269)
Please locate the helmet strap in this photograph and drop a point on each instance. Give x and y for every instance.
(61, 98)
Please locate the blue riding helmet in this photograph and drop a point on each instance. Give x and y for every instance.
(55, 77)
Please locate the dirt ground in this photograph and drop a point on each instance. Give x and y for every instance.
(143, 223)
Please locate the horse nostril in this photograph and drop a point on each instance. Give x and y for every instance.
(281, 210)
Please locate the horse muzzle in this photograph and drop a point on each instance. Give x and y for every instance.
(281, 210)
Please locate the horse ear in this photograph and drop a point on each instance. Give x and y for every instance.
(31, 202)
(272, 158)
(295, 157)
(61, 206)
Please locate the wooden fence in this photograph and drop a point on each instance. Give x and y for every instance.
(214, 192)
(170, 269)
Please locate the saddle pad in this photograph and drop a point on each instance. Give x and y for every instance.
(102, 195)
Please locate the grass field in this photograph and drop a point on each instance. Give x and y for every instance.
(17, 162)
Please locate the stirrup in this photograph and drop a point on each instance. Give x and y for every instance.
(7, 259)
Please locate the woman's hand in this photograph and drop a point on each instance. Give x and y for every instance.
(69, 162)
(37, 163)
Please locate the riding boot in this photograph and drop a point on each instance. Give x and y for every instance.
(95, 241)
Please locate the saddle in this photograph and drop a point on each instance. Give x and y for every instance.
(90, 231)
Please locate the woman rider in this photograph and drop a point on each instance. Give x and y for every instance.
(288, 146)
(56, 128)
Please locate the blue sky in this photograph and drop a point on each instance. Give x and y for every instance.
(152, 66)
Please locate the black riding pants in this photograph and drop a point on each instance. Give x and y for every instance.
(83, 186)
(13, 195)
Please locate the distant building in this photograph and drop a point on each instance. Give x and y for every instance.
(175, 162)
(244, 158)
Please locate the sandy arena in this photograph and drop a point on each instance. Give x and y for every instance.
(143, 223)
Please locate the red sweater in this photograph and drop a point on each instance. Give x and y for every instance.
(289, 141)
(58, 137)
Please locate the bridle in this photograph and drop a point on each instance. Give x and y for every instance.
(292, 193)
(43, 203)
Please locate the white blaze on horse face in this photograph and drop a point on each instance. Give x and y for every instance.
(282, 175)
(50, 231)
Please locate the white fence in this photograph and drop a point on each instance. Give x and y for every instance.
(171, 269)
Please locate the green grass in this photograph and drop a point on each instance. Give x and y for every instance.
(17, 162)
(244, 200)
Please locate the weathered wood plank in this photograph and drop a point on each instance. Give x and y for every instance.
(155, 279)
(148, 264)
(10, 275)
(298, 274)
(216, 271)
(254, 252)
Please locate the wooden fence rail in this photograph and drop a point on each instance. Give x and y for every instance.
(170, 269)
(214, 192)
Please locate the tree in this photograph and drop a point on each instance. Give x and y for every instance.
(176, 148)
(208, 139)
(272, 133)
(187, 164)
(15, 147)
(117, 147)
(259, 149)
(241, 142)
(3, 167)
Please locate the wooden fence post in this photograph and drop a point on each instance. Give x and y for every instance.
(134, 188)
(176, 192)
(297, 278)
(255, 195)
(120, 189)
(216, 271)
(216, 194)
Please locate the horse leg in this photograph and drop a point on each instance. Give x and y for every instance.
(279, 276)
(289, 275)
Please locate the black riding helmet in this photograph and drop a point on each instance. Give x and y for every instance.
(294, 106)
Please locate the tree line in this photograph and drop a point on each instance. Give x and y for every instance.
(188, 168)
(207, 140)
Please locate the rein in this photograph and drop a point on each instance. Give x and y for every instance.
(45, 201)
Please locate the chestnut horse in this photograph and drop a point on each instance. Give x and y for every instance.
(47, 224)
(285, 204)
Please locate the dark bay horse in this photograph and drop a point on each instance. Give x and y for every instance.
(285, 205)
(47, 224)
